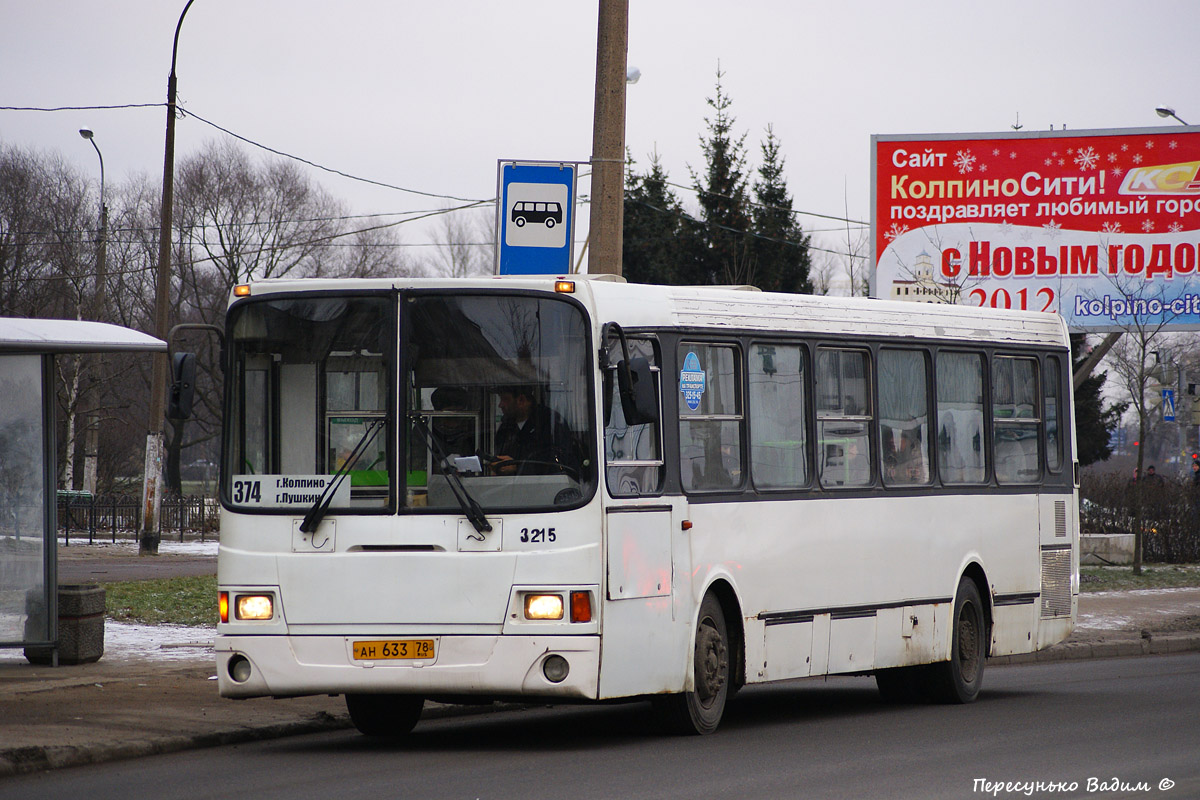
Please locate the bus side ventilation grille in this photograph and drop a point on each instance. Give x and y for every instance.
(1056, 583)
(1060, 518)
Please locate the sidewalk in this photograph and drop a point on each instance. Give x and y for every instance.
(141, 702)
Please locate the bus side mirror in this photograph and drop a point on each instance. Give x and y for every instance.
(638, 401)
(183, 386)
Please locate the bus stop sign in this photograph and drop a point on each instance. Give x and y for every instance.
(535, 222)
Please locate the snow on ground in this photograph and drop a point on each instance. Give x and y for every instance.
(130, 547)
(126, 641)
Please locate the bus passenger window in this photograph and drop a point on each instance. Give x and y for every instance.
(632, 453)
(843, 417)
(710, 418)
(1054, 454)
(1015, 420)
(778, 428)
(960, 418)
(904, 417)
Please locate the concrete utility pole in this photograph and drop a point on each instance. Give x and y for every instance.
(152, 477)
(608, 139)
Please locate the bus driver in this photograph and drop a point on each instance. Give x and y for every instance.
(532, 438)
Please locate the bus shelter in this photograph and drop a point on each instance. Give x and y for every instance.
(28, 468)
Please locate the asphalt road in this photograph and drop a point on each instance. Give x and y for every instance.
(1087, 723)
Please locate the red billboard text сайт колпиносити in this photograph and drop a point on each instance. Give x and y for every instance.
(1102, 227)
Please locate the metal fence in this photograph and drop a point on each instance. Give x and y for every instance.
(110, 517)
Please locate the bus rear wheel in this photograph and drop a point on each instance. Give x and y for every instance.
(384, 715)
(699, 712)
(960, 679)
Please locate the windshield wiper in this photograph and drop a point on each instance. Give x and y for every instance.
(473, 511)
(315, 514)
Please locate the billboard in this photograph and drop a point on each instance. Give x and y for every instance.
(1101, 226)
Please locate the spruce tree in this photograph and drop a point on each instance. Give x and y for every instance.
(722, 253)
(1094, 423)
(652, 226)
(781, 247)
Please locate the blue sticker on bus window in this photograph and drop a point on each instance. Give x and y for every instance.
(691, 381)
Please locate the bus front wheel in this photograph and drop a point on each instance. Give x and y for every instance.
(699, 712)
(960, 679)
(384, 715)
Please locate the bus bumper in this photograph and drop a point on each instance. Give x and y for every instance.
(481, 666)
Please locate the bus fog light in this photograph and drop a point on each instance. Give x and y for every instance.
(543, 606)
(555, 668)
(255, 606)
(239, 668)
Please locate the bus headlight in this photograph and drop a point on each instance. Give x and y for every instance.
(255, 606)
(543, 606)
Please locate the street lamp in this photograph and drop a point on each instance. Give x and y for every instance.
(91, 437)
(152, 489)
(1167, 111)
(101, 246)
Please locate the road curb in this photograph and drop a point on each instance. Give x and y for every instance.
(25, 760)
(22, 760)
(1147, 645)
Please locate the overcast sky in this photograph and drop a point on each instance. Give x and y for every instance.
(429, 96)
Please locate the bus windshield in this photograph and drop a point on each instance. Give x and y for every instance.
(502, 386)
(494, 401)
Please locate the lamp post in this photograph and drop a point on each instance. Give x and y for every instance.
(1167, 111)
(92, 436)
(152, 476)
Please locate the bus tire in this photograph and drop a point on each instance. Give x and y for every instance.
(384, 715)
(549, 222)
(520, 222)
(699, 712)
(960, 679)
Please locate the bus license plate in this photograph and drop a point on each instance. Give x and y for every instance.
(401, 648)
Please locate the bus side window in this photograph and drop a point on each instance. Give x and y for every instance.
(632, 453)
(1054, 454)
(961, 456)
(1015, 419)
(778, 427)
(904, 417)
(843, 417)
(710, 417)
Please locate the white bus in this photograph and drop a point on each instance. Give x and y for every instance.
(583, 490)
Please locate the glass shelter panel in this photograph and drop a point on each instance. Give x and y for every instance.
(23, 543)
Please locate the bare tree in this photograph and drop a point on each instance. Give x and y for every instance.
(1138, 359)
(465, 239)
(237, 221)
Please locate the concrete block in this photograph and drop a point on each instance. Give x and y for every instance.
(1102, 549)
(80, 627)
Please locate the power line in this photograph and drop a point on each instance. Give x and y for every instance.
(761, 205)
(82, 108)
(719, 226)
(331, 170)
